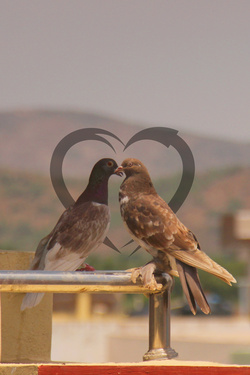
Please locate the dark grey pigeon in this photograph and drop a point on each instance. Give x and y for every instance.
(80, 229)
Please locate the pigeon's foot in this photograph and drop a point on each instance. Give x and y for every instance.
(86, 267)
(146, 274)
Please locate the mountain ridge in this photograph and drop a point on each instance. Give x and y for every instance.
(28, 139)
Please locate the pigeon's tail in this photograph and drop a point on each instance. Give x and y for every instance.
(199, 259)
(192, 287)
(31, 300)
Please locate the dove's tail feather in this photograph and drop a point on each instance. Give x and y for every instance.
(31, 300)
(192, 287)
(201, 260)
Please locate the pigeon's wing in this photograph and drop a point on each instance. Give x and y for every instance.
(79, 232)
(145, 221)
(152, 221)
(38, 263)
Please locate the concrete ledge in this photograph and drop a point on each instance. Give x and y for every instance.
(172, 367)
(10, 369)
(23, 335)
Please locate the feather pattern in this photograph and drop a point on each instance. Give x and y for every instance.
(156, 228)
(79, 231)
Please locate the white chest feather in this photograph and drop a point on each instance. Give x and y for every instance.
(124, 200)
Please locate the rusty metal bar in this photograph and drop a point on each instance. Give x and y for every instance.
(103, 282)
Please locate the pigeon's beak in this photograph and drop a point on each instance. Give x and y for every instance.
(119, 171)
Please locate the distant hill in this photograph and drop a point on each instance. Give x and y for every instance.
(30, 208)
(28, 139)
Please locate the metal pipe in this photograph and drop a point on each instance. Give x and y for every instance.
(73, 282)
(159, 327)
(103, 282)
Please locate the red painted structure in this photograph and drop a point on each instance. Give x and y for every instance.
(141, 370)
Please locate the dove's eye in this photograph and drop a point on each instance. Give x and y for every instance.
(130, 164)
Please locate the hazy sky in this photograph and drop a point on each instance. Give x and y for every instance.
(179, 63)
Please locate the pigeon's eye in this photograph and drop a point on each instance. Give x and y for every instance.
(110, 164)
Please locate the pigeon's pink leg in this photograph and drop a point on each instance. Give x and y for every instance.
(146, 274)
(86, 267)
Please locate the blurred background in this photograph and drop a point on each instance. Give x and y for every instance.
(124, 66)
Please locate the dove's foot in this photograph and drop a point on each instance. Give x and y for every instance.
(146, 274)
(86, 267)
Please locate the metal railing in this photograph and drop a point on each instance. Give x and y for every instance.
(103, 282)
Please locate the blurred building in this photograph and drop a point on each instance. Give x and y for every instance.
(236, 237)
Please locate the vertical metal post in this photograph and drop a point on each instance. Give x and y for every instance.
(159, 327)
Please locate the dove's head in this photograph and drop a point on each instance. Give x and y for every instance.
(132, 167)
(104, 167)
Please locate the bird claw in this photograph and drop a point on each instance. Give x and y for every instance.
(85, 267)
(146, 274)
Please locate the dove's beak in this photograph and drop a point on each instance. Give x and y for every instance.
(119, 171)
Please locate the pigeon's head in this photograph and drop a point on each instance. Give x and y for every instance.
(131, 167)
(105, 167)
